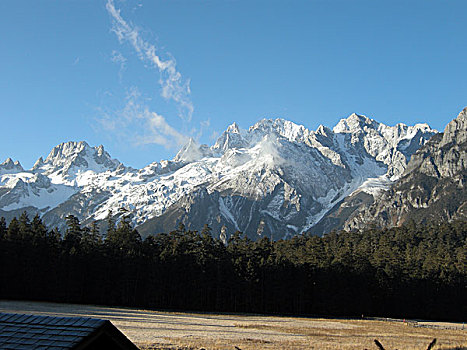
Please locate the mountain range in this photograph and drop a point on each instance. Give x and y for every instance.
(275, 179)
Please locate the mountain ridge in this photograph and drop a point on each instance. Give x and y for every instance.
(432, 187)
(274, 179)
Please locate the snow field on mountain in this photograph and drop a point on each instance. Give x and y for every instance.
(294, 175)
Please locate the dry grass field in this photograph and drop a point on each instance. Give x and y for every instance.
(166, 330)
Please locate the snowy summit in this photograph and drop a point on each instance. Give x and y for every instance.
(274, 179)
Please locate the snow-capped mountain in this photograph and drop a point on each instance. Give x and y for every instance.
(275, 179)
(432, 188)
(67, 161)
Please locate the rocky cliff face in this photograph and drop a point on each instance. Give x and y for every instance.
(275, 179)
(433, 186)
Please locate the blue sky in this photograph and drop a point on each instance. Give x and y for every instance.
(140, 77)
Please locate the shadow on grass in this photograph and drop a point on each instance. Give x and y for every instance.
(430, 346)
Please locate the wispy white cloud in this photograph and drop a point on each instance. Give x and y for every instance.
(136, 124)
(161, 133)
(174, 87)
(198, 132)
(119, 59)
(214, 135)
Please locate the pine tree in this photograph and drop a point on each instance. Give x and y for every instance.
(54, 238)
(73, 234)
(125, 238)
(38, 228)
(180, 231)
(110, 227)
(25, 230)
(13, 232)
(3, 228)
(95, 233)
(86, 244)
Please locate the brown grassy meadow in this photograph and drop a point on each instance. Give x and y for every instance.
(168, 330)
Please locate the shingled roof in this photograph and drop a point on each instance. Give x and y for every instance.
(18, 331)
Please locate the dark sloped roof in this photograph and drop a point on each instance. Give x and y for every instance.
(18, 331)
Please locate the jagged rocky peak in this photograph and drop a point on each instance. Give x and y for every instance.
(355, 123)
(66, 150)
(285, 128)
(78, 155)
(402, 131)
(39, 163)
(233, 128)
(423, 127)
(100, 150)
(192, 152)
(69, 153)
(323, 130)
(445, 155)
(456, 129)
(103, 158)
(231, 138)
(10, 166)
(322, 137)
(235, 138)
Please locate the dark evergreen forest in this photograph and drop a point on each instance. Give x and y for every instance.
(413, 271)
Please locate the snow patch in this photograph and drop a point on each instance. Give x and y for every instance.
(375, 185)
(227, 214)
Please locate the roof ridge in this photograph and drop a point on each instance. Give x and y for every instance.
(39, 319)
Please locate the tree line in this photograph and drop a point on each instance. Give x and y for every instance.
(412, 271)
